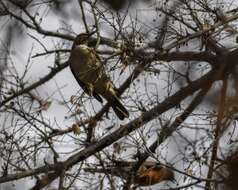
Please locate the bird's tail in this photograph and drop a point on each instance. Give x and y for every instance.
(118, 108)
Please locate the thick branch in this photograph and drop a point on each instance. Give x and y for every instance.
(167, 131)
(131, 126)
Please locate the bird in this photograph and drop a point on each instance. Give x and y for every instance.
(89, 71)
(149, 173)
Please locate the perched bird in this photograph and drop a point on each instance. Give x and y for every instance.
(148, 174)
(90, 74)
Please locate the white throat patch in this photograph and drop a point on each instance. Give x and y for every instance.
(83, 46)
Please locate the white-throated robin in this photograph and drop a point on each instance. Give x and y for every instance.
(148, 174)
(90, 74)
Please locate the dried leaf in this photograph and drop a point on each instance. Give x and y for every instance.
(45, 105)
(73, 99)
(117, 148)
(76, 129)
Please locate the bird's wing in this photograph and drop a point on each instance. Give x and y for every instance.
(105, 87)
(83, 85)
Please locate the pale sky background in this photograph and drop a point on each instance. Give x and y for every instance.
(20, 50)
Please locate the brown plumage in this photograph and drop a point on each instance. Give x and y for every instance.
(148, 174)
(152, 175)
(89, 72)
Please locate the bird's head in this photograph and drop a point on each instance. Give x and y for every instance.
(82, 38)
